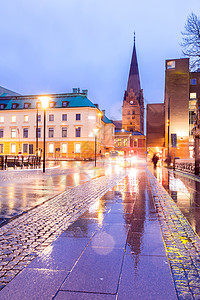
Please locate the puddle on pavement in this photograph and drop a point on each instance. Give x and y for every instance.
(185, 191)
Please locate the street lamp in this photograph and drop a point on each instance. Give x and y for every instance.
(45, 103)
(95, 130)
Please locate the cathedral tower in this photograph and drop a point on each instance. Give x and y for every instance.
(133, 103)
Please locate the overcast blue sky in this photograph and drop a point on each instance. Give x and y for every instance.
(51, 46)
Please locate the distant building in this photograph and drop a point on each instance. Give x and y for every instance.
(155, 137)
(129, 133)
(70, 122)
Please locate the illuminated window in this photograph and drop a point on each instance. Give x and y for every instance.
(13, 119)
(25, 132)
(78, 148)
(119, 142)
(64, 148)
(125, 142)
(193, 95)
(51, 118)
(64, 132)
(64, 117)
(135, 143)
(1, 148)
(193, 81)
(13, 148)
(1, 132)
(13, 133)
(51, 132)
(51, 148)
(171, 64)
(1, 119)
(25, 118)
(78, 132)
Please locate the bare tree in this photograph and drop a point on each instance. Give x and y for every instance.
(191, 41)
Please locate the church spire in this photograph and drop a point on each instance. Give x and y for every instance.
(134, 77)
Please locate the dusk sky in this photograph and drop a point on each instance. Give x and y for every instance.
(52, 46)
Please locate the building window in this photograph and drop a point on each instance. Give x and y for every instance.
(133, 117)
(193, 95)
(1, 148)
(30, 146)
(193, 81)
(51, 132)
(25, 148)
(119, 142)
(125, 142)
(64, 148)
(51, 148)
(13, 119)
(52, 104)
(25, 118)
(78, 148)
(39, 118)
(1, 119)
(135, 143)
(26, 105)
(14, 105)
(171, 64)
(64, 132)
(133, 112)
(1, 133)
(64, 117)
(51, 117)
(38, 132)
(25, 132)
(2, 106)
(64, 103)
(129, 112)
(78, 117)
(78, 132)
(13, 148)
(13, 133)
(38, 105)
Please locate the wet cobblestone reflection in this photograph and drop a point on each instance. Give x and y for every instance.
(181, 242)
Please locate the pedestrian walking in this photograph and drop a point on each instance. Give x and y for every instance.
(155, 160)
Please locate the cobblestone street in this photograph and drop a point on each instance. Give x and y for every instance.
(23, 238)
(122, 228)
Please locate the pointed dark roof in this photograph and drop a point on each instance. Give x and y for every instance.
(134, 77)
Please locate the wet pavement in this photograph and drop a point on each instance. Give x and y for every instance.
(114, 250)
(118, 236)
(22, 190)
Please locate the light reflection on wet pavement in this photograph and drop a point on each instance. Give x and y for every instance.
(21, 190)
(184, 189)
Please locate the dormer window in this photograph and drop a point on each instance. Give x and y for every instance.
(2, 106)
(52, 104)
(65, 103)
(14, 105)
(26, 105)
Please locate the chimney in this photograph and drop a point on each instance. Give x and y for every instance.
(85, 92)
(74, 90)
(103, 111)
(97, 105)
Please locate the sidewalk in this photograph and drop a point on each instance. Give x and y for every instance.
(115, 250)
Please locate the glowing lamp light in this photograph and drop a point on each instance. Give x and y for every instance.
(45, 101)
(95, 130)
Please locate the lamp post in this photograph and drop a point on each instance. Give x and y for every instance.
(45, 103)
(95, 130)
